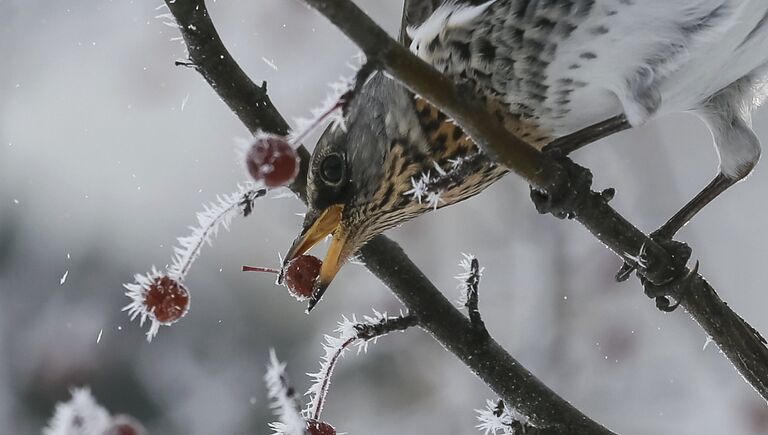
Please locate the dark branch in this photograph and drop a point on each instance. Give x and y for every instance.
(741, 344)
(504, 375)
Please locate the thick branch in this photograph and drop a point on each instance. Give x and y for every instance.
(743, 346)
(506, 377)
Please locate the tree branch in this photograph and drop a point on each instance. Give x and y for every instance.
(741, 344)
(484, 356)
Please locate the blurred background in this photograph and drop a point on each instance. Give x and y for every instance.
(107, 150)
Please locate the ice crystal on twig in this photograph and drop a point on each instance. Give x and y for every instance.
(350, 332)
(284, 400)
(332, 108)
(498, 418)
(468, 278)
(640, 259)
(213, 217)
(169, 285)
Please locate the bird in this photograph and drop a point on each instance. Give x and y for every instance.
(544, 69)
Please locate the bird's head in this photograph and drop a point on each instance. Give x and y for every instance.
(361, 177)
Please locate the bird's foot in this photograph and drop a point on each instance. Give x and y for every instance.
(677, 289)
(570, 191)
(678, 282)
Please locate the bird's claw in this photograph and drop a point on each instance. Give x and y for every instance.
(564, 197)
(679, 251)
(677, 289)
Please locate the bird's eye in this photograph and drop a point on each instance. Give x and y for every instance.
(332, 169)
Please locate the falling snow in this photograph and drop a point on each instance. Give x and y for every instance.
(63, 278)
(270, 63)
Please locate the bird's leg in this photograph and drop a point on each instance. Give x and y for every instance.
(680, 251)
(718, 185)
(567, 144)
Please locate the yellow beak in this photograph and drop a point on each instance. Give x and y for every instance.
(329, 222)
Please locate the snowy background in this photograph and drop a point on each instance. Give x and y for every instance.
(107, 150)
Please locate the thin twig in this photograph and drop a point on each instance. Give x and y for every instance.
(741, 344)
(473, 284)
(351, 333)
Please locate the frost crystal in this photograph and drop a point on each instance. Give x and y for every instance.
(429, 189)
(283, 399)
(81, 415)
(420, 187)
(498, 418)
(640, 258)
(136, 291)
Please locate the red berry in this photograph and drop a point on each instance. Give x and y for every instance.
(167, 300)
(272, 160)
(315, 427)
(301, 274)
(124, 425)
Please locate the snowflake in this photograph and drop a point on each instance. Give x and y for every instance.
(498, 418)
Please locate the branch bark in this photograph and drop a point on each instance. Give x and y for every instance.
(484, 356)
(741, 343)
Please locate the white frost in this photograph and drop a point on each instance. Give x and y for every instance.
(494, 420)
(283, 399)
(81, 415)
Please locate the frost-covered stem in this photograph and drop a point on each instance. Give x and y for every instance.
(284, 399)
(317, 404)
(351, 333)
(741, 343)
(210, 220)
(369, 331)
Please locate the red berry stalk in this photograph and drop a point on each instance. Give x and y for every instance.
(300, 275)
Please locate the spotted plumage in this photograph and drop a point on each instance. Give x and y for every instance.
(544, 68)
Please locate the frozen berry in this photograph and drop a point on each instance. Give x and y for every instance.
(301, 274)
(166, 299)
(315, 427)
(271, 159)
(124, 425)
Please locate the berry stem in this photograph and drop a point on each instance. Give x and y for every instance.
(318, 405)
(261, 269)
(302, 135)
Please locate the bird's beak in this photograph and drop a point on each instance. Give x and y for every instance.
(316, 229)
